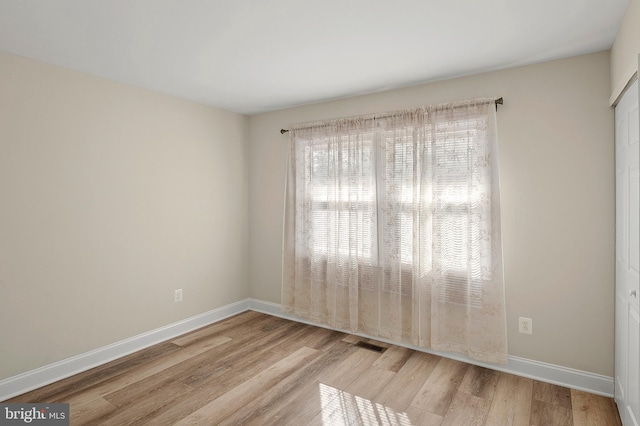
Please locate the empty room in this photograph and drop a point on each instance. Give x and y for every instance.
(319, 213)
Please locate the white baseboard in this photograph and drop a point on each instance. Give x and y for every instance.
(42, 376)
(25, 382)
(537, 370)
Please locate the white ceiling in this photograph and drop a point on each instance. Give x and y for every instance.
(252, 56)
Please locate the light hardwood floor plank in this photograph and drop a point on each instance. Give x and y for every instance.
(237, 323)
(348, 408)
(229, 374)
(283, 394)
(307, 399)
(259, 370)
(152, 368)
(238, 397)
(62, 390)
(511, 404)
(350, 369)
(404, 386)
(593, 410)
(89, 413)
(553, 394)
(422, 417)
(141, 409)
(394, 358)
(547, 413)
(466, 410)
(218, 369)
(438, 390)
(302, 409)
(370, 383)
(240, 354)
(480, 382)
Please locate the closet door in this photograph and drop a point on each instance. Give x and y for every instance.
(627, 326)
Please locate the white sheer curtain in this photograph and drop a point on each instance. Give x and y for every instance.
(392, 228)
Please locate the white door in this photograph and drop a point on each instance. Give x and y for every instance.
(627, 327)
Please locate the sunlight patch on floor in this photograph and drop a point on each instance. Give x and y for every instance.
(340, 408)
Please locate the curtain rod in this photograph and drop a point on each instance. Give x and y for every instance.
(498, 101)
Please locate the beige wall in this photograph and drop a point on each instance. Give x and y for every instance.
(557, 168)
(625, 50)
(111, 197)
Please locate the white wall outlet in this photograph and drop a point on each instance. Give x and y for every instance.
(177, 295)
(525, 325)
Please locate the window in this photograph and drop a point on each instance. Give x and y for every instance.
(340, 209)
(391, 228)
(355, 182)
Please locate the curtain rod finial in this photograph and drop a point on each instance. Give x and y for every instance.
(283, 131)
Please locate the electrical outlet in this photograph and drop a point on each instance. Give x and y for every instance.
(177, 295)
(525, 325)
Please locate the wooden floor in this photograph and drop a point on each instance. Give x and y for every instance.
(257, 369)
